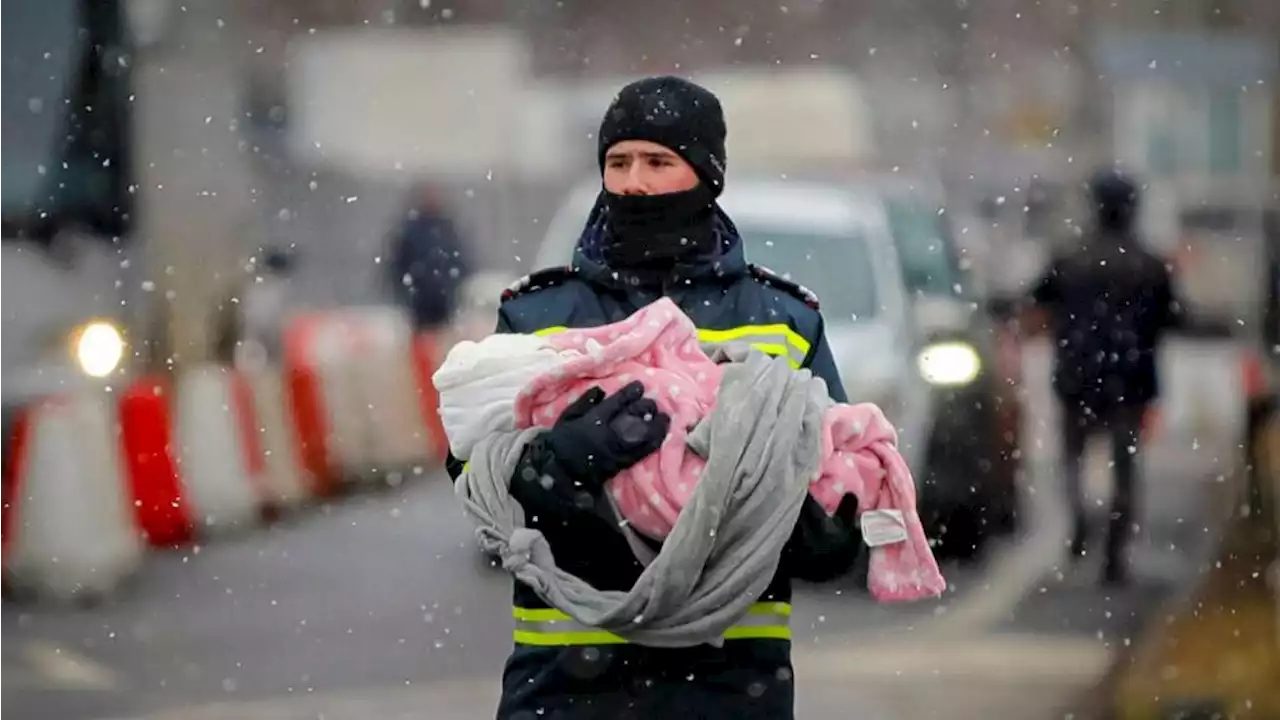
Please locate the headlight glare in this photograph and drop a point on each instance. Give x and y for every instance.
(949, 364)
(99, 348)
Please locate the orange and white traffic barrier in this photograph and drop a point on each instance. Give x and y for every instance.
(287, 481)
(220, 459)
(382, 365)
(305, 403)
(353, 377)
(193, 454)
(161, 511)
(428, 352)
(324, 402)
(69, 527)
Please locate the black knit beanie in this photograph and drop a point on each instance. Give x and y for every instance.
(675, 114)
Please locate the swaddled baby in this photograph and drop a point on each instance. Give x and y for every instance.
(510, 382)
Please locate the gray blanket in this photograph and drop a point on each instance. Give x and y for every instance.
(762, 446)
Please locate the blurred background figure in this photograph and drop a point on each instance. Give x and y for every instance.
(265, 305)
(1109, 304)
(250, 322)
(430, 261)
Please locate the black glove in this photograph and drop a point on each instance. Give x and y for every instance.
(822, 548)
(598, 437)
(561, 472)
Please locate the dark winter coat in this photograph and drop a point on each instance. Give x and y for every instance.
(428, 266)
(1109, 303)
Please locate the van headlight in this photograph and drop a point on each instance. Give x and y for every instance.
(98, 347)
(949, 364)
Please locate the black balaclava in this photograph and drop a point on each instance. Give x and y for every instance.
(663, 229)
(1115, 201)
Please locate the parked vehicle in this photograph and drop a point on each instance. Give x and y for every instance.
(977, 409)
(68, 198)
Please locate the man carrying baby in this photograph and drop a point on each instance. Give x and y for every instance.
(656, 231)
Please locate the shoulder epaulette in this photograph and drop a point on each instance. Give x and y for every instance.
(538, 280)
(768, 277)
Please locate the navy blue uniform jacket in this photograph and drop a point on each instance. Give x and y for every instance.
(749, 677)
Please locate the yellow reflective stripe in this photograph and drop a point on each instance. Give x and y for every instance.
(782, 340)
(582, 637)
(777, 350)
(743, 332)
(762, 632)
(551, 627)
(770, 608)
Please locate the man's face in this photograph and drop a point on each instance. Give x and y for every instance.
(640, 167)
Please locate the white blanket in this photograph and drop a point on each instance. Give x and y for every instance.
(478, 383)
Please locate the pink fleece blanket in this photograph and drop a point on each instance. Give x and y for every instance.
(659, 346)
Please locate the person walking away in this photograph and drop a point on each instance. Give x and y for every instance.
(656, 230)
(1109, 302)
(429, 261)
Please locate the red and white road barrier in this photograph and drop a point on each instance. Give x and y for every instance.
(354, 380)
(323, 401)
(287, 482)
(68, 524)
(146, 433)
(195, 459)
(220, 456)
(428, 352)
(396, 436)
